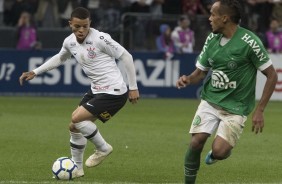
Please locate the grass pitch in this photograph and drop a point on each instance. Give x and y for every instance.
(149, 141)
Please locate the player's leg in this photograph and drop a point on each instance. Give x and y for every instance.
(221, 150)
(89, 131)
(77, 147)
(204, 124)
(193, 156)
(85, 128)
(103, 107)
(77, 140)
(228, 134)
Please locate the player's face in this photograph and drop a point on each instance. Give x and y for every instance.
(217, 21)
(80, 28)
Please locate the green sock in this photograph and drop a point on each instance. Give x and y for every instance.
(191, 165)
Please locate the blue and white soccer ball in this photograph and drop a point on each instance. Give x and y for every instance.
(64, 168)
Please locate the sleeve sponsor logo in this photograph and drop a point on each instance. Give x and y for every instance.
(109, 43)
(254, 45)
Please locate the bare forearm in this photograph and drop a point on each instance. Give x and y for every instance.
(196, 77)
(193, 78)
(268, 89)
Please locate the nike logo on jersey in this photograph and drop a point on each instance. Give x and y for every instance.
(89, 104)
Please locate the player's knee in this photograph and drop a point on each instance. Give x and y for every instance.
(75, 118)
(72, 128)
(220, 153)
(198, 141)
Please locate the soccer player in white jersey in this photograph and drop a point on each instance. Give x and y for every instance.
(96, 53)
(233, 55)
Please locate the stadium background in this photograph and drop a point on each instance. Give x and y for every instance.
(149, 139)
(156, 76)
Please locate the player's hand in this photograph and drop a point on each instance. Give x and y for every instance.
(133, 96)
(182, 82)
(26, 76)
(258, 121)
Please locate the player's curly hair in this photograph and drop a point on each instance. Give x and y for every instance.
(231, 8)
(81, 13)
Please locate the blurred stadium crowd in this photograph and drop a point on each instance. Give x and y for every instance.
(133, 21)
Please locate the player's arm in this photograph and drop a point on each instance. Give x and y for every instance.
(271, 80)
(202, 67)
(52, 63)
(194, 78)
(127, 60)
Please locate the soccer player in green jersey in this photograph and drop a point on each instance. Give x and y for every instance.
(233, 55)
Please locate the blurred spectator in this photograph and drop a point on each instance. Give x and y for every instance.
(96, 12)
(65, 7)
(13, 10)
(84, 3)
(1, 12)
(172, 7)
(140, 23)
(7, 11)
(32, 6)
(192, 8)
(274, 37)
(47, 14)
(26, 33)
(112, 13)
(207, 4)
(156, 7)
(140, 6)
(277, 10)
(259, 13)
(164, 42)
(183, 36)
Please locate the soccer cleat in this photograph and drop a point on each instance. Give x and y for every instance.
(78, 173)
(98, 157)
(209, 160)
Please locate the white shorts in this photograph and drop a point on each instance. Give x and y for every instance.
(209, 118)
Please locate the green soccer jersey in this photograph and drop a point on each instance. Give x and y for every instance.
(234, 66)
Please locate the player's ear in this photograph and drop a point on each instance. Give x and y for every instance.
(224, 19)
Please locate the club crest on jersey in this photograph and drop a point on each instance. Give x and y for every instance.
(232, 65)
(91, 53)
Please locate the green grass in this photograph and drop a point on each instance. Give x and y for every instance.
(149, 141)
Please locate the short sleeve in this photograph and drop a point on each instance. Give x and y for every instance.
(202, 60)
(259, 56)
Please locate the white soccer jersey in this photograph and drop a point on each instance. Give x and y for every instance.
(97, 55)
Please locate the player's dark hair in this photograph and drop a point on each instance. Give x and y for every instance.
(81, 13)
(231, 8)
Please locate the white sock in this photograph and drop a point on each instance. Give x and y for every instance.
(77, 145)
(90, 131)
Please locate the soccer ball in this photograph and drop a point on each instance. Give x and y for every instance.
(63, 168)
